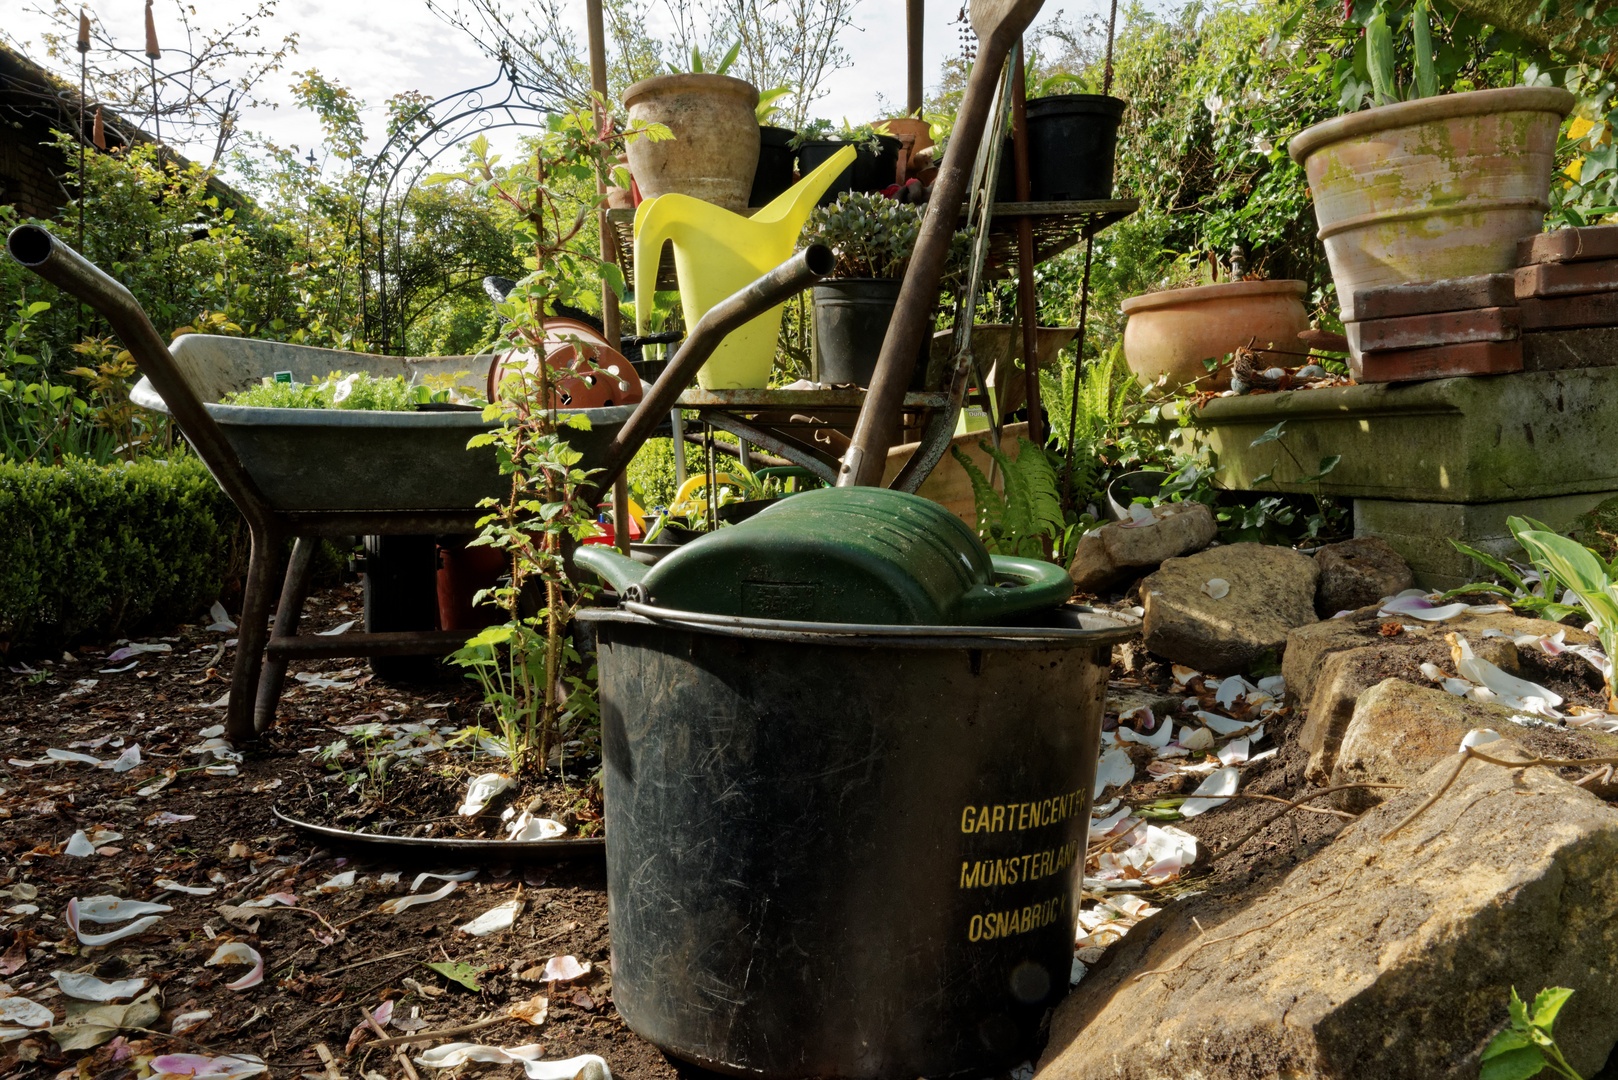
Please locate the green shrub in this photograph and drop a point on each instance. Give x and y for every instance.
(105, 550)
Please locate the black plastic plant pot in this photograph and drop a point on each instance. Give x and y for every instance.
(869, 172)
(851, 319)
(1072, 140)
(845, 854)
(774, 173)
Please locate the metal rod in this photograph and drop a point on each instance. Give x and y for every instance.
(1027, 304)
(1126, 626)
(677, 427)
(785, 281)
(51, 259)
(1078, 363)
(392, 643)
(879, 419)
(915, 11)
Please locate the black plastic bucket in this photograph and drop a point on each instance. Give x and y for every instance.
(1072, 140)
(869, 171)
(845, 854)
(851, 319)
(774, 173)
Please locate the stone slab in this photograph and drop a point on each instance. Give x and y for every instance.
(1426, 297)
(1567, 279)
(1372, 958)
(1568, 312)
(1487, 439)
(1440, 328)
(1442, 361)
(1570, 245)
(1422, 531)
(1558, 350)
(1268, 592)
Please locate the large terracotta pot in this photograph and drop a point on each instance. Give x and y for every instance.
(1431, 189)
(1174, 331)
(714, 152)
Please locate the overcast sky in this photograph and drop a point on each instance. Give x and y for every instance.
(378, 48)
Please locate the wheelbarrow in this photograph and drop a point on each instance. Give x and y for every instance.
(312, 474)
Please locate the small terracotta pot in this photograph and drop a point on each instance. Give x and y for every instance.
(714, 152)
(1174, 331)
(1431, 189)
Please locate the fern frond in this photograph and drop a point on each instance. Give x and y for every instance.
(988, 504)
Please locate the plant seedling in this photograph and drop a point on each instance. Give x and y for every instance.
(1527, 1047)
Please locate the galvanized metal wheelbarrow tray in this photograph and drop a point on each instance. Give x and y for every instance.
(346, 473)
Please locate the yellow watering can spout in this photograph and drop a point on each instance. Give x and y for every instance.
(716, 253)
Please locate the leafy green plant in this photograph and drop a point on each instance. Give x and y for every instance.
(1593, 580)
(359, 391)
(699, 67)
(1539, 590)
(1029, 514)
(871, 235)
(1380, 57)
(1327, 514)
(1526, 1047)
(864, 136)
(767, 107)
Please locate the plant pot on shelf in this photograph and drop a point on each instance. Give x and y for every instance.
(916, 138)
(851, 320)
(1174, 331)
(869, 172)
(1072, 140)
(775, 157)
(1431, 189)
(715, 149)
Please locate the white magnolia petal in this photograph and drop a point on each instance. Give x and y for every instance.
(1114, 770)
(89, 988)
(466, 875)
(1210, 793)
(1479, 737)
(79, 846)
(496, 919)
(481, 791)
(111, 909)
(402, 903)
(190, 890)
(239, 952)
(22, 1012)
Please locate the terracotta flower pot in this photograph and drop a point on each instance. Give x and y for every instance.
(1174, 331)
(1431, 189)
(714, 152)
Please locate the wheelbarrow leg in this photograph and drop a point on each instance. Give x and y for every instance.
(294, 591)
(251, 635)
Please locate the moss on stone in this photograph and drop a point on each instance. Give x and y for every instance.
(1597, 529)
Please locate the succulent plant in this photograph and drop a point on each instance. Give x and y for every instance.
(872, 235)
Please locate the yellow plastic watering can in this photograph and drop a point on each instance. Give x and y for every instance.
(716, 253)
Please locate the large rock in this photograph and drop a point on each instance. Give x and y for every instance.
(1398, 732)
(1330, 664)
(1117, 552)
(1359, 572)
(1271, 593)
(1374, 958)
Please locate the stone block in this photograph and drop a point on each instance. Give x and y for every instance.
(1359, 572)
(1556, 350)
(1568, 312)
(1119, 551)
(1309, 646)
(1442, 362)
(1421, 531)
(1271, 591)
(1439, 328)
(1570, 245)
(1373, 957)
(1426, 297)
(1473, 440)
(1567, 279)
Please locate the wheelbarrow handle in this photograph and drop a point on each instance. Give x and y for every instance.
(46, 255)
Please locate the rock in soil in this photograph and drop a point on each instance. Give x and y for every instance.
(1220, 611)
(1358, 572)
(1330, 664)
(1374, 958)
(1119, 551)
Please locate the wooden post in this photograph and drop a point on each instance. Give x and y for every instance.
(914, 13)
(1027, 304)
(611, 327)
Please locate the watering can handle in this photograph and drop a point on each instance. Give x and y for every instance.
(617, 569)
(1042, 585)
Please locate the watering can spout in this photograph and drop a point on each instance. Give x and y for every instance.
(716, 254)
(615, 568)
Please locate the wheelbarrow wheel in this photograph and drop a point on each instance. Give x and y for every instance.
(401, 593)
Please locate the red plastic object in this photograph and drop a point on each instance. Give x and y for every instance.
(462, 572)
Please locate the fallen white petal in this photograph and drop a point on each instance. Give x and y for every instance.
(79, 846)
(1421, 608)
(127, 760)
(527, 828)
(1224, 725)
(466, 875)
(1199, 739)
(25, 1013)
(72, 755)
(1217, 588)
(237, 952)
(89, 988)
(494, 920)
(394, 906)
(565, 969)
(1210, 792)
(236, 1067)
(341, 628)
(1233, 689)
(97, 906)
(1114, 770)
(189, 890)
(189, 1021)
(221, 619)
(1234, 752)
(481, 790)
(1183, 674)
(337, 882)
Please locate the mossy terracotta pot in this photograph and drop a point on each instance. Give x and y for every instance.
(1431, 189)
(1172, 332)
(714, 152)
